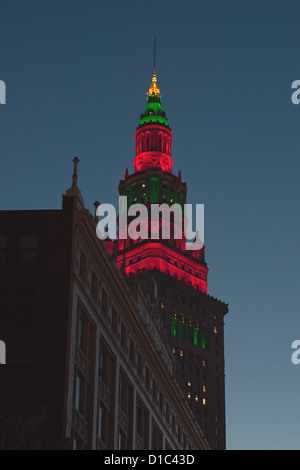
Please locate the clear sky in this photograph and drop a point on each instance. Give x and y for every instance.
(76, 74)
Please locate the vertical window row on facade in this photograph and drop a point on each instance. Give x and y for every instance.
(115, 385)
(149, 382)
(146, 434)
(89, 277)
(84, 377)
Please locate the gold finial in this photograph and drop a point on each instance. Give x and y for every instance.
(154, 90)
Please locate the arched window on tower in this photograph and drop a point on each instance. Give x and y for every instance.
(160, 144)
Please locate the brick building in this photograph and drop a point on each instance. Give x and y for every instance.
(84, 344)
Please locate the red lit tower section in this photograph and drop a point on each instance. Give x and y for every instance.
(154, 183)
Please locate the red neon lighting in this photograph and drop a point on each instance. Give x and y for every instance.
(159, 256)
(153, 148)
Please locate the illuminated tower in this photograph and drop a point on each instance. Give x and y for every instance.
(154, 183)
(177, 277)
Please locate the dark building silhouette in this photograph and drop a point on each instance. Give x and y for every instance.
(110, 344)
(87, 355)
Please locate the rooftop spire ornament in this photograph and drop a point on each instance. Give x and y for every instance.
(154, 90)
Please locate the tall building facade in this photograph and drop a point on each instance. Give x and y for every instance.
(88, 365)
(193, 320)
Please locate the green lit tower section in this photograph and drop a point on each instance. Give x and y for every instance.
(154, 183)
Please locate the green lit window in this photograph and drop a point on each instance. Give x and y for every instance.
(196, 337)
(181, 327)
(174, 325)
(154, 190)
(203, 337)
(189, 331)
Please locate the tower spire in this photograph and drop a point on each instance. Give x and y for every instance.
(154, 90)
(154, 52)
(74, 191)
(75, 173)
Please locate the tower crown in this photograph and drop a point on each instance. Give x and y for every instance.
(154, 184)
(154, 90)
(154, 112)
(153, 136)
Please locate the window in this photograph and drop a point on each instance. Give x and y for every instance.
(147, 378)
(28, 253)
(80, 339)
(203, 337)
(83, 266)
(154, 390)
(167, 413)
(123, 336)
(94, 286)
(19, 356)
(131, 350)
(24, 306)
(161, 401)
(114, 322)
(79, 401)
(3, 249)
(125, 411)
(3, 315)
(142, 424)
(107, 370)
(157, 437)
(140, 364)
(104, 303)
(100, 421)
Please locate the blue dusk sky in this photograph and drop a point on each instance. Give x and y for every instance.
(76, 73)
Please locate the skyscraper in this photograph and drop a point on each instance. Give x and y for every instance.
(193, 319)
